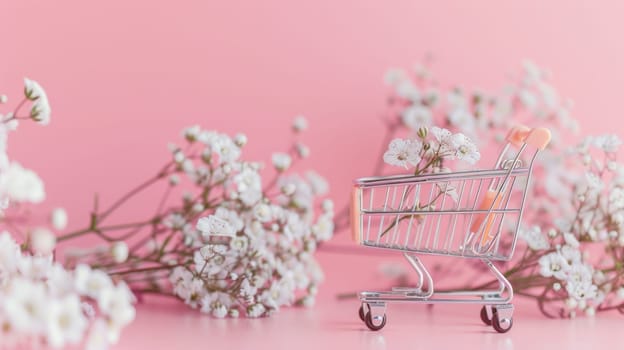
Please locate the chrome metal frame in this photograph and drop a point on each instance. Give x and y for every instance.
(370, 217)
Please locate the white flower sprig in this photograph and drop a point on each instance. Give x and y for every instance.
(576, 207)
(235, 244)
(427, 154)
(42, 302)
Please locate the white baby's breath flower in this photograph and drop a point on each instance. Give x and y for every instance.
(249, 186)
(43, 241)
(403, 153)
(174, 180)
(444, 141)
(281, 161)
(25, 305)
(553, 265)
(239, 243)
(448, 190)
(417, 116)
(535, 238)
(581, 290)
(571, 240)
(41, 111)
(59, 219)
(9, 255)
(116, 303)
(66, 322)
(318, 184)
(593, 181)
(407, 90)
(213, 225)
(324, 227)
(191, 134)
(394, 75)
(21, 185)
(97, 338)
(225, 148)
(609, 143)
(3, 99)
(240, 140)
(302, 150)
(462, 120)
(300, 123)
(328, 206)
(119, 251)
(466, 150)
(91, 282)
(256, 310)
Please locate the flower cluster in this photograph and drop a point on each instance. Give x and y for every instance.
(594, 218)
(235, 244)
(576, 209)
(426, 154)
(18, 184)
(42, 302)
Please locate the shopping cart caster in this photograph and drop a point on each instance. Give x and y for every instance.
(375, 323)
(502, 319)
(486, 312)
(374, 316)
(362, 313)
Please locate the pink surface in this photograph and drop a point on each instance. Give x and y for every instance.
(333, 324)
(124, 77)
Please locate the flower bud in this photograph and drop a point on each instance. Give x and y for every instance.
(300, 124)
(289, 189)
(302, 150)
(59, 219)
(422, 132)
(240, 140)
(119, 252)
(281, 161)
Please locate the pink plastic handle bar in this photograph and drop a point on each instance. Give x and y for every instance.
(538, 138)
(356, 200)
(517, 135)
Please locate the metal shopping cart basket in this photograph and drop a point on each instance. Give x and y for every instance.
(415, 215)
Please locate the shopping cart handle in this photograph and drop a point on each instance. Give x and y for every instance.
(517, 135)
(538, 137)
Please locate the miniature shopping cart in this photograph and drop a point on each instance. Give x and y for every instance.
(480, 221)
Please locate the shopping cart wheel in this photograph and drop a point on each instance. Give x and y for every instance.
(501, 320)
(362, 313)
(484, 316)
(375, 323)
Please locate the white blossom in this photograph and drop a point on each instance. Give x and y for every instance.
(535, 238)
(43, 241)
(300, 123)
(553, 265)
(417, 116)
(119, 252)
(214, 225)
(249, 186)
(21, 185)
(59, 219)
(404, 153)
(466, 150)
(609, 143)
(281, 161)
(66, 322)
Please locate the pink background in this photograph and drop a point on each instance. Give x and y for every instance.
(124, 77)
